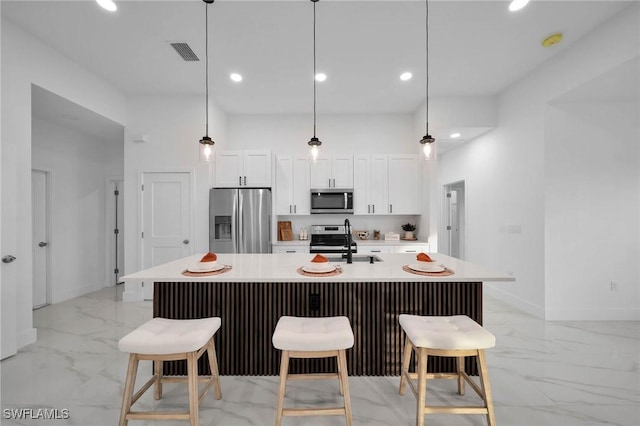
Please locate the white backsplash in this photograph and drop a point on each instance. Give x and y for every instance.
(358, 222)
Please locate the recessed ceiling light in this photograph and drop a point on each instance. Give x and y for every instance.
(455, 135)
(406, 76)
(235, 77)
(517, 5)
(321, 76)
(108, 5)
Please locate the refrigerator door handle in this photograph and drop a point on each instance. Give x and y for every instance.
(245, 181)
(240, 180)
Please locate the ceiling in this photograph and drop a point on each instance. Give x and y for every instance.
(477, 48)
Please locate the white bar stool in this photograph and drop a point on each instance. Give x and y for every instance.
(300, 337)
(161, 340)
(451, 336)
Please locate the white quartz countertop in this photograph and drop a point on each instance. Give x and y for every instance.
(282, 268)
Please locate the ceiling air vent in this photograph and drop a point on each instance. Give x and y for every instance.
(185, 51)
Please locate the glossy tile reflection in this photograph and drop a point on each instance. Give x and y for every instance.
(542, 373)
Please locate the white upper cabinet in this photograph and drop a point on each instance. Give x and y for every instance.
(292, 185)
(332, 172)
(404, 184)
(370, 184)
(249, 168)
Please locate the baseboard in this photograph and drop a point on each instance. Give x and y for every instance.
(592, 314)
(27, 337)
(515, 301)
(75, 292)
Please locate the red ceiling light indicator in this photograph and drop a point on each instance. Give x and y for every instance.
(427, 140)
(206, 143)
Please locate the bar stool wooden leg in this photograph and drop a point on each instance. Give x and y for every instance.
(192, 371)
(344, 381)
(213, 365)
(486, 387)
(157, 372)
(461, 380)
(284, 371)
(132, 371)
(421, 366)
(406, 359)
(339, 366)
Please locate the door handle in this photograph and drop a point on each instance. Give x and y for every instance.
(390, 208)
(334, 183)
(245, 181)
(368, 208)
(239, 180)
(42, 244)
(8, 259)
(373, 208)
(295, 208)
(185, 241)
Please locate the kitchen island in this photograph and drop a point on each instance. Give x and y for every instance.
(260, 288)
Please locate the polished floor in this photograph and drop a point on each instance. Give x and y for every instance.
(542, 374)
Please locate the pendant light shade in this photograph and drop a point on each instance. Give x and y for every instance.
(206, 143)
(427, 140)
(314, 143)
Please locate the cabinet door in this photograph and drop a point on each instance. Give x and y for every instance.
(284, 184)
(301, 194)
(361, 184)
(342, 171)
(321, 173)
(256, 169)
(379, 184)
(412, 248)
(404, 184)
(229, 168)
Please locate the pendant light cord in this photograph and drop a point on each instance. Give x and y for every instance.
(206, 56)
(426, 90)
(314, 68)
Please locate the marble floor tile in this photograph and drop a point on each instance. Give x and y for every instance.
(542, 374)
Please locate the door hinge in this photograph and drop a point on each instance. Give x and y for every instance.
(448, 195)
(142, 235)
(142, 187)
(116, 192)
(448, 227)
(116, 231)
(115, 271)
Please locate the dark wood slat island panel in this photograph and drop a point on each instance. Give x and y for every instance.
(250, 311)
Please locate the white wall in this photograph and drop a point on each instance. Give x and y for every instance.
(78, 165)
(592, 205)
(174, 125)
(26, 61)
(504, 169)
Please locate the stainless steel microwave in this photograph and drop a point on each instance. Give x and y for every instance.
(332, 200)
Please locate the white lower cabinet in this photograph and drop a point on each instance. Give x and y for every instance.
(412, 249)
(290, 249)
(362, 249)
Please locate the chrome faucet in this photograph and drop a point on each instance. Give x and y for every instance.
(347, 241)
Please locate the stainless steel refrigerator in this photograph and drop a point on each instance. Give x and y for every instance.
(240, 220)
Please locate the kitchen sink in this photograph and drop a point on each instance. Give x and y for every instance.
(356, 258)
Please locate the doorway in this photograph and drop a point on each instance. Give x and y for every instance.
(40, 202)
(454, 220)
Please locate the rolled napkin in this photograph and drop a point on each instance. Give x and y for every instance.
(423, 257)
(209, 257)
(318, 258)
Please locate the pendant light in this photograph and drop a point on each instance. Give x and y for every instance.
(206, 143)
(427, 139)
(314, 143)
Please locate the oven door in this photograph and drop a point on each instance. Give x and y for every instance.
(332, 201)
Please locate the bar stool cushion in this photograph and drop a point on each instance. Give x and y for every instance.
(446, 332)
(162, 336)
(313, 334)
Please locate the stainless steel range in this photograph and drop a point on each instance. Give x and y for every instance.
(330, 239)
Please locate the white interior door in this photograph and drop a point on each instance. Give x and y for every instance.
(166, 217)
(8, 276)
(40, 237)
